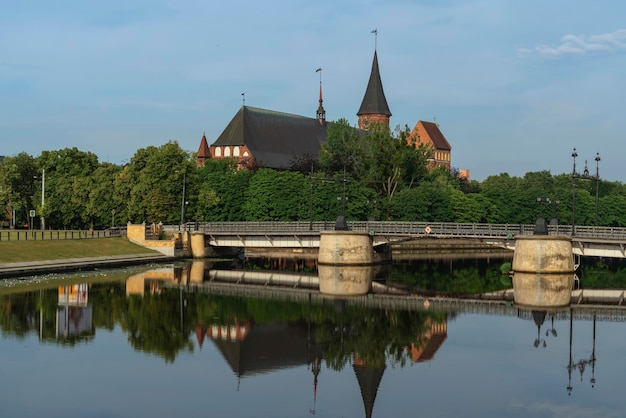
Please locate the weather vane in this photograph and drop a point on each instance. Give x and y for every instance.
(243, 96)
(375, 32)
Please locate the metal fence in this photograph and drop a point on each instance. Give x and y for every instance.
(37, 235)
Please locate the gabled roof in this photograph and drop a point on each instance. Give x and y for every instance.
(275, 139)
(374, 101)
(432, 130)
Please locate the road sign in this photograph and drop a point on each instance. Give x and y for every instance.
(32, 213)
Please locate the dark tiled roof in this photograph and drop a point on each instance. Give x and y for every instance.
(439, 141)
(275, 139)
(374, 102)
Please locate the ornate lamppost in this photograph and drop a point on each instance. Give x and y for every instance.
(575, 176)
(597, 182)
(541, 226)
(574, 155)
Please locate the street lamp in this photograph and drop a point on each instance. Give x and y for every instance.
(585, 176)
(597, 183)
(555, 219)
(43, 198)
(182, 203)
(574, 155)
(541, 226)
(340, 223)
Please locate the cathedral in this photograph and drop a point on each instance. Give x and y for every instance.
(258, 137)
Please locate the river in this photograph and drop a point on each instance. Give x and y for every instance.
(157, 341)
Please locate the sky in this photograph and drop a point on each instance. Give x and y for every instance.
(514, 85)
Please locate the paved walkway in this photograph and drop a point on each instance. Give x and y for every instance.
(71, 264)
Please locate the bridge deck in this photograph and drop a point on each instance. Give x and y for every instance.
(586, 240)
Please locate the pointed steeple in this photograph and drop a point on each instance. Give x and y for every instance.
(321, 113)
(203, 152)
(374, 108)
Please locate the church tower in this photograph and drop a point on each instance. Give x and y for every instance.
(321, 113)
(203, 152)
(374, 108)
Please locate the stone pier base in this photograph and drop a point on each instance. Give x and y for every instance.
(345, 262)
(543, 271)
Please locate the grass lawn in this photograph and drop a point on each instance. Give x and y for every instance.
(18, 251)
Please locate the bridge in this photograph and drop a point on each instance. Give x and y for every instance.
(589, 241)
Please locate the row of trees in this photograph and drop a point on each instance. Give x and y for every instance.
(372, 175)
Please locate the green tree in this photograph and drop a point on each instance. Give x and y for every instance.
(343, 151)
(18, 176)
(225, 186)
(276, 196)
(155, 180)
(68, 182)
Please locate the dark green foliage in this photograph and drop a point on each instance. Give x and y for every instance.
(374, 174)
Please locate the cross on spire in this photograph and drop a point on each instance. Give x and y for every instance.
(375, 32)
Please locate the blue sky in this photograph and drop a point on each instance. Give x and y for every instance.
(514, 86)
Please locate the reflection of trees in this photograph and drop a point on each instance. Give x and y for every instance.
(375, 335)
(602, 273)
(19, 314)
(452, 277)
(155, 323)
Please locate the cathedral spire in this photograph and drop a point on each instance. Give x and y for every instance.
(374, 108)
(321, 113)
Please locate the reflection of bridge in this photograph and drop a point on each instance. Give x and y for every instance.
(198, 276)
(605, 304)
(587, 241)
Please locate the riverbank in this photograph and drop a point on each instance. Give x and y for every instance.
(23, 258)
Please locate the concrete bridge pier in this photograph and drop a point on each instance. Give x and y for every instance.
(543, 271)
(198, 242)
(345, 262)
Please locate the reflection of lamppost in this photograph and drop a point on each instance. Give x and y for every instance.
(551, 330)
(539, 317)
(597, 182)
(582, 363)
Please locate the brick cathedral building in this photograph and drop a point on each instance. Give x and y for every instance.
(267, 138)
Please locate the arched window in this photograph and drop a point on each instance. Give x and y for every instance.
(218, 151)
(236, 152)
(227, 152)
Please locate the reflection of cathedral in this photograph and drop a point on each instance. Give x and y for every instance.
(430, 342)
(251, 349)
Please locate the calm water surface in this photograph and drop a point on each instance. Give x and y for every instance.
(149, 342)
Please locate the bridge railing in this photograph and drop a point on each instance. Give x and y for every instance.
(439, 229)
(378, 227)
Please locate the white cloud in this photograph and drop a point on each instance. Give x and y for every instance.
(581, 44)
